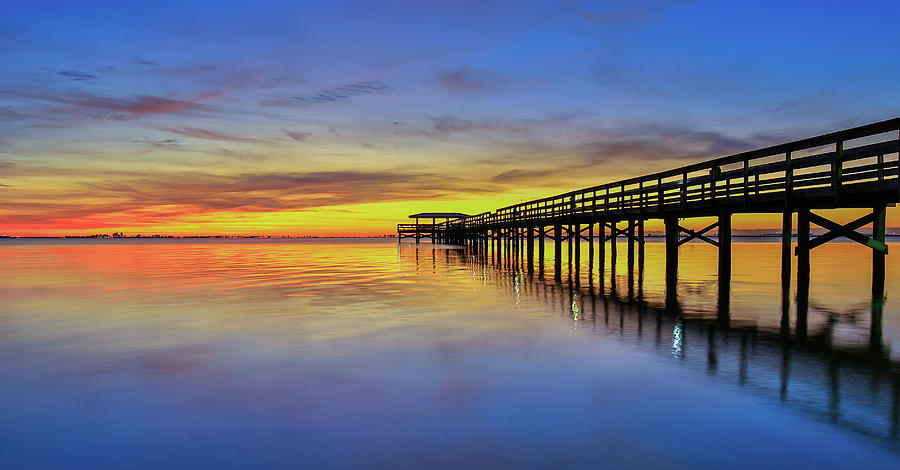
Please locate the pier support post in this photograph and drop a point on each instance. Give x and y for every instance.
(802, 250)
(601, 250)
(557, 254)
(724, 264)
(612, 246)
(591, 244)
(542, 232)
(509, 247)
(640, 240)
(786, 232)
(671, 253)
(630, 232)
(517, 245)
(631, 227)
(530, 247)
(640, 267)
(802, 270)
(576, 239)
(878, 233)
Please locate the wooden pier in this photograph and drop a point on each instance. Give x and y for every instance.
(852, 168)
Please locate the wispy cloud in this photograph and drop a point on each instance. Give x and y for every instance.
(140, 104)
(296, 136)
(8, 114)
(207, 134)
(144, 62)
(448, 124)
(76, 75)
(177, 144)
(75, 104)
(523, 175)
(335, 94)
(465, 80)
(174, 143)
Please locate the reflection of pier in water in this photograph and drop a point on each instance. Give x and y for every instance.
(855, 387)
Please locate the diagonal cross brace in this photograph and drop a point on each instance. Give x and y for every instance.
(692, 235)
(585, 229)
(848, 230)
(614, 231)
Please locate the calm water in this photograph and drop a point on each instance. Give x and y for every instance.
(318, 353)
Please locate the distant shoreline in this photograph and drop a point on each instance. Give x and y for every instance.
(185, 237)
(650, 236)
(895, 232)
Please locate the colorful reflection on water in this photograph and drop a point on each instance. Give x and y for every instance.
(347, 353)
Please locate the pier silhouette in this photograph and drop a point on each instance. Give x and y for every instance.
(851, 168)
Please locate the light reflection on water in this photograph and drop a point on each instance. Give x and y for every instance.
(365, 353)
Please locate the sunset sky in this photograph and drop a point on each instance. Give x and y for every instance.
(341, 118)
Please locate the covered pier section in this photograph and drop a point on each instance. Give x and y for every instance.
(436, 231)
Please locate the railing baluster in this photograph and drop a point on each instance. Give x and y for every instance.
(606, 200)
(641, 197)
(788, 179)
(713, 179)
(660, 196)
(837, 166)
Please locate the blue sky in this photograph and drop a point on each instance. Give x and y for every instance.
(342, 116)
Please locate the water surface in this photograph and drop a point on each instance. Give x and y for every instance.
(366, 353)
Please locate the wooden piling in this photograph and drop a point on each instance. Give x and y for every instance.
(591, 244)
(630, 232)
(724, 265)
(671, 224)
(557, 245)
(576, 239)
(542, 232)
(530, 247)
(640, 241)
(802, 271)
(612, 245)
(786, 233)
(878, 233)
(802, 251)
(601, 250)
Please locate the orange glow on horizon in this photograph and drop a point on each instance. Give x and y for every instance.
(365, 220)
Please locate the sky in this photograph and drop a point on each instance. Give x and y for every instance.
(341, 118)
